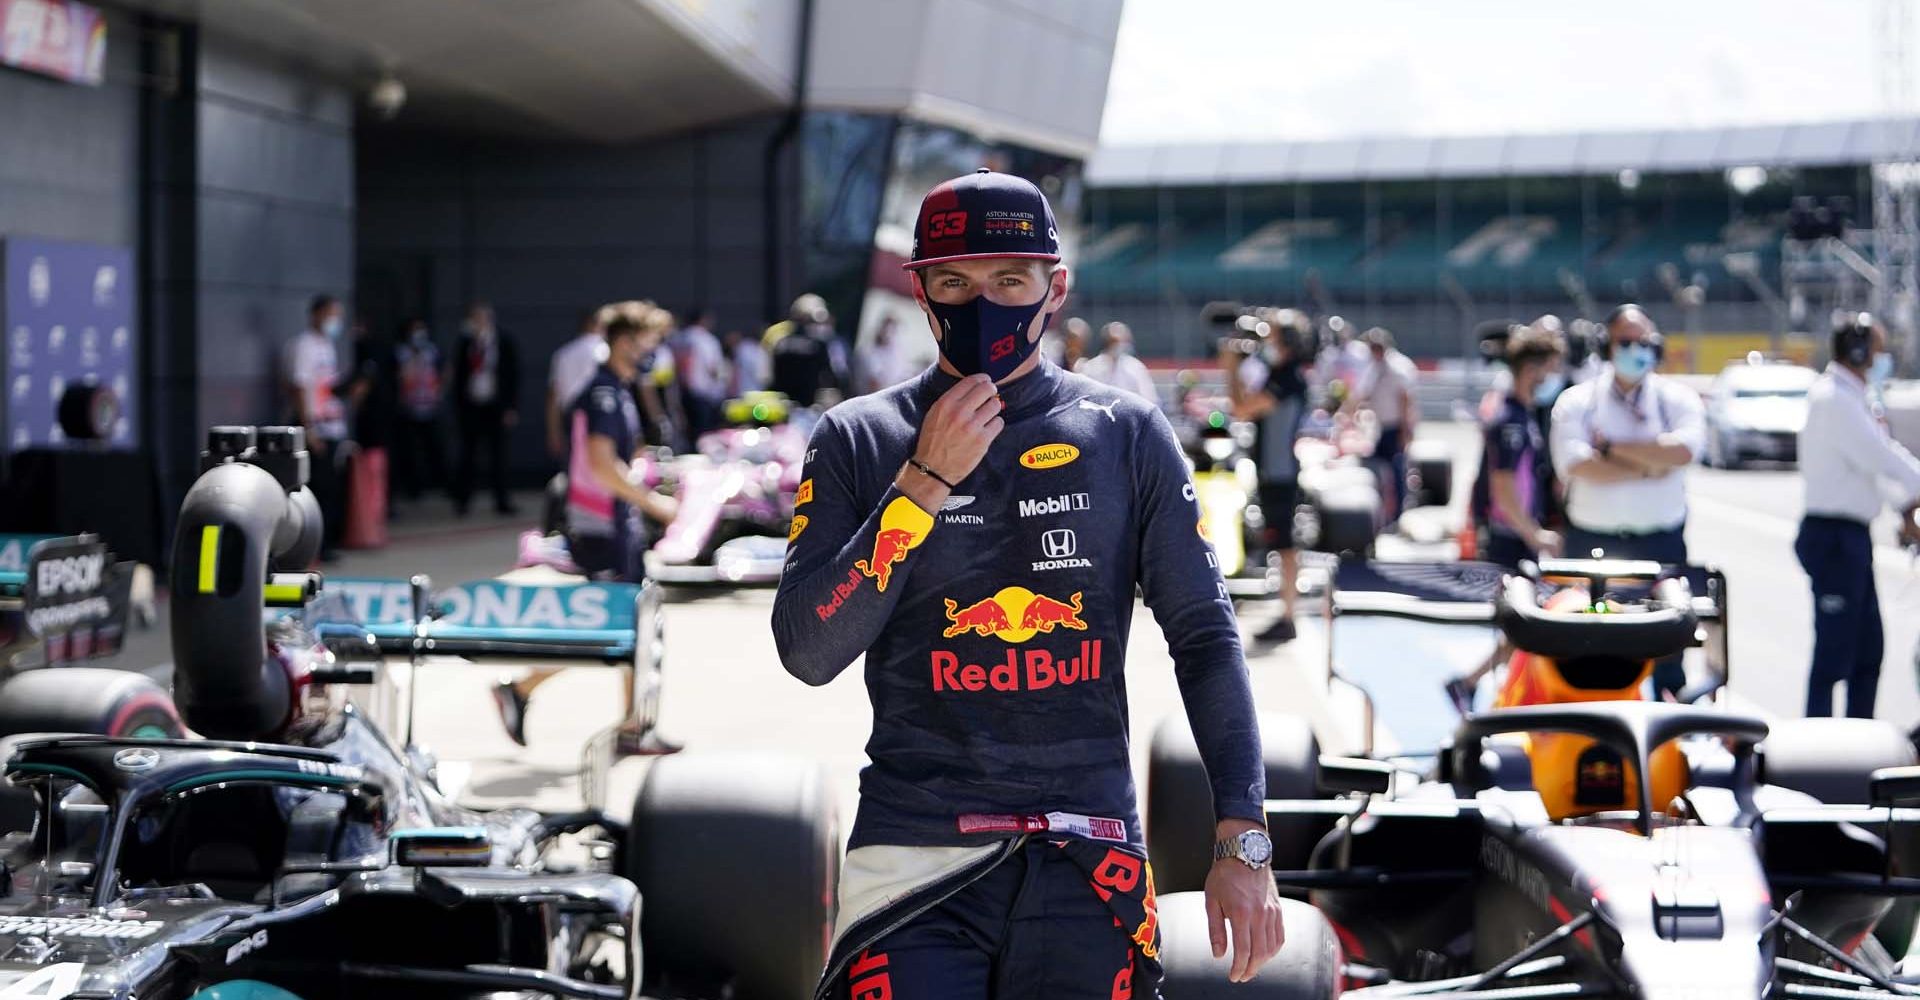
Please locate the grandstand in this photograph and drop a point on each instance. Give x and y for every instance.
(1431, 236)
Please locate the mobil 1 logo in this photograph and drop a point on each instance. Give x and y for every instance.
(1058, 503)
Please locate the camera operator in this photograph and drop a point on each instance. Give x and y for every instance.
(1264, 361)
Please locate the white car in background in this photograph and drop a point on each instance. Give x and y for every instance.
(1755, 410)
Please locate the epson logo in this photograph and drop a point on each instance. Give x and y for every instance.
(71, 575)
(1054, 505)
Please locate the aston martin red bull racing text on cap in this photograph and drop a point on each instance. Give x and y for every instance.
(984, 214)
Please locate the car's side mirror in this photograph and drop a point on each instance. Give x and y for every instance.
(1354, 774)
(442, 847)
(1893, 785)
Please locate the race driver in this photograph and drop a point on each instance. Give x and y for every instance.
(978, 533)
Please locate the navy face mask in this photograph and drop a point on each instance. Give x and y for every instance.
(982, 336)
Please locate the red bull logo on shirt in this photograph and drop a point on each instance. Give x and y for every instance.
(903, 526)
(1014, 614)
(1020, 670)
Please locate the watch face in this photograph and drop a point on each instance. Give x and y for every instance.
(1255, 848)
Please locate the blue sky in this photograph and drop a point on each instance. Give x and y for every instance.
(1263, 69)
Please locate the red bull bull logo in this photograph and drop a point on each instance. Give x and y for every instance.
(903, 526)
(1015, 614)
(1021, 670)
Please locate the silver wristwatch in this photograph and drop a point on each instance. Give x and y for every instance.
(1252, 848)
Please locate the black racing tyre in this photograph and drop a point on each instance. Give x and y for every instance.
(1349, 520)
(1307, 968)
(1831, 759)
(78, 700)
(1180, 824)
(86, 700)
(737, 859)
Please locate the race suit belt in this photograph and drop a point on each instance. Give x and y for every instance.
(1091, 827)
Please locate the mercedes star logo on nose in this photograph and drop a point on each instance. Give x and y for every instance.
(136, 759)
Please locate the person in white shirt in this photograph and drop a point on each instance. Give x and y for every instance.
(884, 363)
(748, 361)
(701, 365)
(1385, 386)
(1116, 366)
(1621, 443)
(571, 368)
(1851, 467)
(313, 378)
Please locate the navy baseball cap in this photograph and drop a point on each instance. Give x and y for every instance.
(984, 214)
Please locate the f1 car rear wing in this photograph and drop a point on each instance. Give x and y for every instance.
(1463, 593)
(483, 618)
(618, 624)
(1467, 593)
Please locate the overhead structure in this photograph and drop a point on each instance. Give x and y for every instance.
(1896, 180)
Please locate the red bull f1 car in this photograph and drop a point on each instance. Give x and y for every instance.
(1586, 843)
(305, 848)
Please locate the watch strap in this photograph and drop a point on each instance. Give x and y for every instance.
(1230, 848)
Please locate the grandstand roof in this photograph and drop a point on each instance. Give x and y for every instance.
(1822, 144)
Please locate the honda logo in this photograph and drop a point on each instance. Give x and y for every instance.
(1059, 543)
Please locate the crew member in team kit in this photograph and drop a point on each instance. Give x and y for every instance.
(605, 534)
(978, 533)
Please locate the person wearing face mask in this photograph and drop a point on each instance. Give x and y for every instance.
(808, 362)
(486, 392)
(977, 533)
(313, 376)
(1622, 442)
(1510, 495)
(606, 536)
(1850, 466)
(420, 456)
(1116, 366)
(1385, 386)
(1270, 389)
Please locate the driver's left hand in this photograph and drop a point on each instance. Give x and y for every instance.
(1246, 901)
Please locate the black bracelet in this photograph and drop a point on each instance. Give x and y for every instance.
(938, 478)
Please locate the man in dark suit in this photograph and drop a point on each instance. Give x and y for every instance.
(486, 393)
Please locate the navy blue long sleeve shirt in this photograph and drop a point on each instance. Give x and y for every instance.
(995, 629)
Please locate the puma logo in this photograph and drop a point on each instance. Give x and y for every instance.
(1106, 408)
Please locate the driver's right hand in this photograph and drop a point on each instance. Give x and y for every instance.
(959, 426)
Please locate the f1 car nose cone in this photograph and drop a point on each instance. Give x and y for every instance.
(136, 759)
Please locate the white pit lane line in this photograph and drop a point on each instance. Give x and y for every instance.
(1885, 557)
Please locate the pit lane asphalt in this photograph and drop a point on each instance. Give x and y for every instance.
(725, 692)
